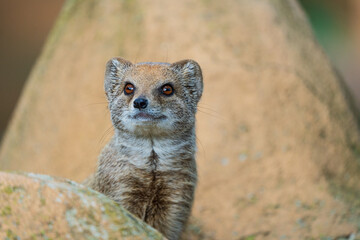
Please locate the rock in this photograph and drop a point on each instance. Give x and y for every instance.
(34, 206)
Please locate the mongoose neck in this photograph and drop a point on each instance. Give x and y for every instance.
(172, 152)
(183, 135)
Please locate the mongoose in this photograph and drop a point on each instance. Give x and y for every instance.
(149, 164)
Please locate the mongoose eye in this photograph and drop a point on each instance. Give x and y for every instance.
(167, 90)
(129, 89)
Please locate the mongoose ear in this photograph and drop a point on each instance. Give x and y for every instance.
(191, 77)
(114, 74)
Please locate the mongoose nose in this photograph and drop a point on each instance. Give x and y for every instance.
(140, 103)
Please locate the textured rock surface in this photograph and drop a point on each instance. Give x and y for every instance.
(276, 131)
(34, 206)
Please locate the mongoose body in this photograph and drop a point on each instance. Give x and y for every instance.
(149, 164)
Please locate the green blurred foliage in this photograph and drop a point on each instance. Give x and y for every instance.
(328, 19)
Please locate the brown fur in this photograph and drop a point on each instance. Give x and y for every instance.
(149, 167)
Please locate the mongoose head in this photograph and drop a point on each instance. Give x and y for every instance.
(155, 99)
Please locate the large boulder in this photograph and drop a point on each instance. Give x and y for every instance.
(278, 137)
(34, 206)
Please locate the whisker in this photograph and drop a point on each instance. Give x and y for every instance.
(106, 134)
(216, 116)
(97, 103)
(202, 147)
(215, 113)
(207, 108)
(204, 104)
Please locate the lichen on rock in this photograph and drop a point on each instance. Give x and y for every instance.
(34, 206)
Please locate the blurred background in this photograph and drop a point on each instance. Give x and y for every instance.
(24, 26)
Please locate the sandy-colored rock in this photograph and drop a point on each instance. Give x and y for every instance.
(277, 133)
(34, 206)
